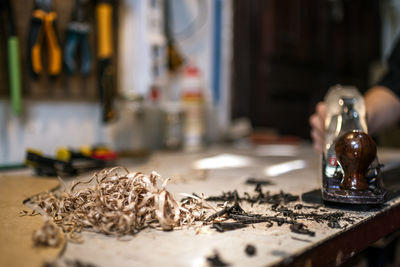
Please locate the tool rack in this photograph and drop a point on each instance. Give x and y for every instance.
(65, 87)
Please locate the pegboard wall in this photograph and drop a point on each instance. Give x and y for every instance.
(75, 87)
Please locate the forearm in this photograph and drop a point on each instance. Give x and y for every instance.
(383, 108)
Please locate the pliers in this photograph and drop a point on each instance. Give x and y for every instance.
(77, 35)
(43, 25)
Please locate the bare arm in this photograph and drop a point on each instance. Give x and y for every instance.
(383, 108)
(317, 122)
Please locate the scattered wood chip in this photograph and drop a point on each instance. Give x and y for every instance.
(250, 250)
(300, 228)
(252, 180)
(215, 261)
(48, 236)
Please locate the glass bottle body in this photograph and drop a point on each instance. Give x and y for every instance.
(345, 112)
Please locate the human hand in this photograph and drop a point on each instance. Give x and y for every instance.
(382, 108)
(317, 123)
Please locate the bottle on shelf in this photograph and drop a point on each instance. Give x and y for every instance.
(193, 105)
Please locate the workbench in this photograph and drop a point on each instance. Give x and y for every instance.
(276, 245)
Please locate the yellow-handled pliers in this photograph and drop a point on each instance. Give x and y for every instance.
(43, 26)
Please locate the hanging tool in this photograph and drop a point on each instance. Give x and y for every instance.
(174, 58)
(14, 69)
(217, 51)
(43, 25)
(77, 37)
(104, 10)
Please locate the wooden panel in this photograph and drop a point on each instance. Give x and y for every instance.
(288, 53)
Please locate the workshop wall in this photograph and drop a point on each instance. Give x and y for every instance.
(74, 87)
(49, 121)
(45, 125)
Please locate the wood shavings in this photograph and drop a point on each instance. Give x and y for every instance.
(28, 213)
(119, 203)
(48, 236)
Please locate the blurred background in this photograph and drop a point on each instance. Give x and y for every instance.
(140, 76)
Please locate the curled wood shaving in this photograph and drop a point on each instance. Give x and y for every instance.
(23, 213)
(48, 236)
(120, 203)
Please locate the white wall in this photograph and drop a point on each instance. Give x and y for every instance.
(47, 125)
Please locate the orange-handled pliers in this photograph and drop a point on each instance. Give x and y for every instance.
(43, 26)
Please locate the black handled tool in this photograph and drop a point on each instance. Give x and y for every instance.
(104, 12)
(78, 38)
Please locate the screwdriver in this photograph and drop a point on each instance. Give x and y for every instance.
(13, 58)
(104, 53)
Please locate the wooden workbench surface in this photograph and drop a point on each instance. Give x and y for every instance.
(191, 247)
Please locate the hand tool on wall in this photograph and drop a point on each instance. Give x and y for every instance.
(217, 51)
(174, 57)
(104, 12)
(77, 37)
(14, 69)
(43, 26)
